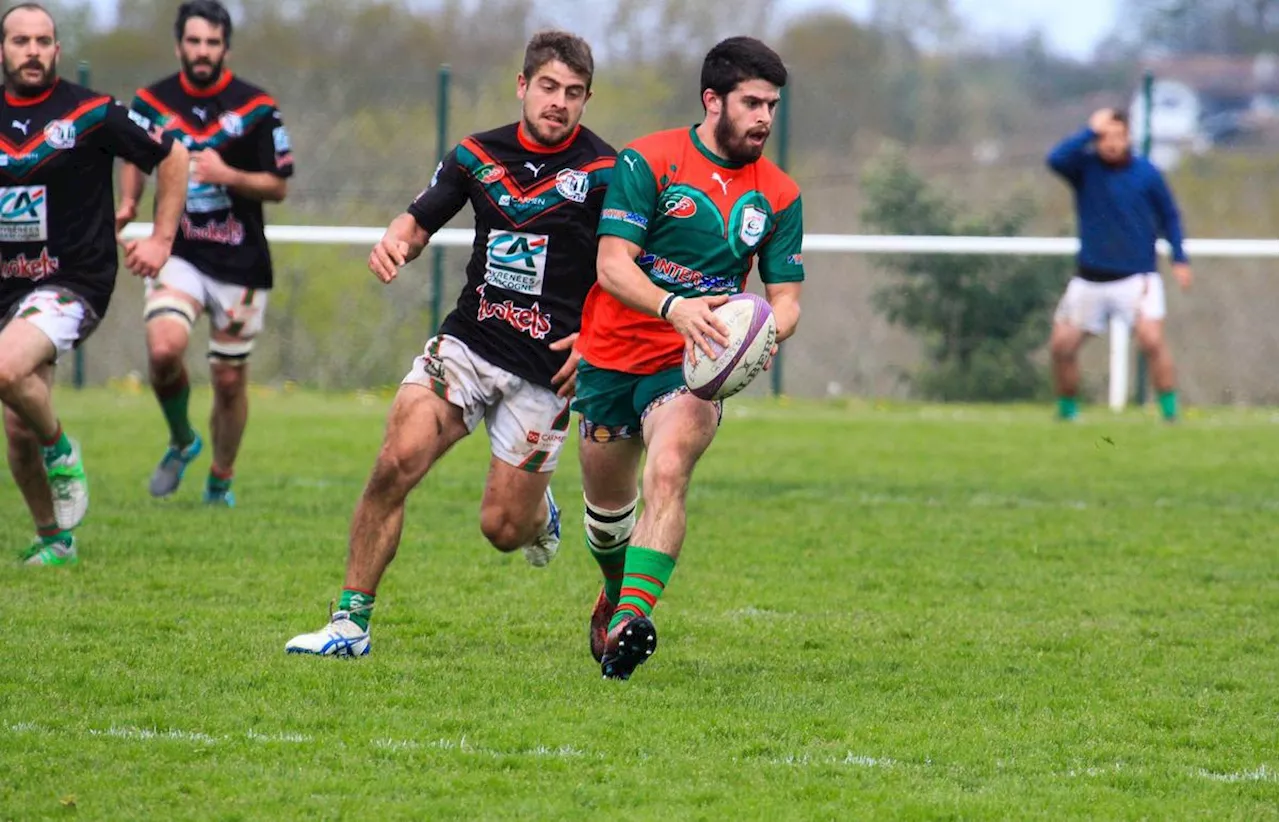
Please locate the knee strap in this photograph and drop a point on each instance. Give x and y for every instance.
(615, 525)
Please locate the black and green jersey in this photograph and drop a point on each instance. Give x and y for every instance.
(57, 212)
(222, 233)
(534, 258)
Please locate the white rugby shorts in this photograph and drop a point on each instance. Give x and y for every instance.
(527, 423)
(63, 316)
(1090, 306)
(234, 310)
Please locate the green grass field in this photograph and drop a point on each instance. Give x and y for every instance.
(905, 612)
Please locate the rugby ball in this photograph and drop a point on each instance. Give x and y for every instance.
(752, 332)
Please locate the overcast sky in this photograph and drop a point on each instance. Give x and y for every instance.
(1071, 27)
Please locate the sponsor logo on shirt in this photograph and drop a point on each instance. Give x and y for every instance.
(637, 220)
(24, 214)
(516, 261)
(35, 268)
(531, 320)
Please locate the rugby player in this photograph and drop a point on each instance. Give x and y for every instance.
(688, 211)
(58, 255)
(1122, 204)
(504, 354)
(241, 158)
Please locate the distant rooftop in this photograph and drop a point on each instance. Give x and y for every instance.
(1219, 73)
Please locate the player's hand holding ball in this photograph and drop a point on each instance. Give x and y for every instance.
(696, 321)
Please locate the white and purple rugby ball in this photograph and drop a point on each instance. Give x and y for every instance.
(752, 332)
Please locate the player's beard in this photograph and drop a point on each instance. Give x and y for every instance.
(20, 87)
(189, 71)
(734, 144)
(538, 131)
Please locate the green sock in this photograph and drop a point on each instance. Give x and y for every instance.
(1169, 404)
(174, 399)
(646, 578)
(612, 562)
(57, 447)
(50, 534)
(1067, 408)
(357, 603)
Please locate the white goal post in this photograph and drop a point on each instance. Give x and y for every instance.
(849, 244)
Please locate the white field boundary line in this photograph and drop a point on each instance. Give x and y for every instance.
(813, 243)
(128, 733)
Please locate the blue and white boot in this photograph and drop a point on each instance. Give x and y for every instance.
(546, 545)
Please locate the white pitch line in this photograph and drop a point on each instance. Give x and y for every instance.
(850, 758)
(1260, 774)
(134, 734)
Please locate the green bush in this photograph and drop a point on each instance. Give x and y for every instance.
(981, 317)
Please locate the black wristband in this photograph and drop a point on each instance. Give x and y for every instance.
(666, 305)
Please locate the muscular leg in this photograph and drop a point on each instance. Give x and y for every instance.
(230, 414)
(421, 427)
(25, 351)
(48, 471)
(514, 508)
(1064, 346)
(610, 473)
(676, 434)
(170, 314)
(1151, 341)
(26, 462)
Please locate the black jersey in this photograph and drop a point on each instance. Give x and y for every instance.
(534, 256)
(57, 212)
(222, 233)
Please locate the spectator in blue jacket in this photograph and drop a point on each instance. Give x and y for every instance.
(1122, 206)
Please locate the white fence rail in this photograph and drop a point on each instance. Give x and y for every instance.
(848, 244)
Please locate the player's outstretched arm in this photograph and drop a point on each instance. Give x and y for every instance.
(146, 257)
(402, 242)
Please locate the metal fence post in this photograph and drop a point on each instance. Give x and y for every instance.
(77, 371)
(784, 149)
(437, 252)
(1140, 377)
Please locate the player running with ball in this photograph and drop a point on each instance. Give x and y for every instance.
(687, 212)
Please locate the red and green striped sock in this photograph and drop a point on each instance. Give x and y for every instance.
(219, 480)
(51, 533)
(645, 579)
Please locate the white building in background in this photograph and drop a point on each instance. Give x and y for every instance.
(1203, 101)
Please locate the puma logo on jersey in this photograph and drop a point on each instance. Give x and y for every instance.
(202, 113)
(631, 162)
(22, 125)
(535, 169)
(724, 184)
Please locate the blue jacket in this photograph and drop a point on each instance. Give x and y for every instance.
(1121, 209)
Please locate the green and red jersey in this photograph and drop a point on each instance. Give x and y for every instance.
(700, 222)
